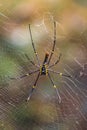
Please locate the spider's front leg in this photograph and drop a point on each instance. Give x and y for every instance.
(54, 43)
(33, 87)
(34, 46)
(59, 98)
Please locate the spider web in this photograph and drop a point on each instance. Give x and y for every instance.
(43, 111)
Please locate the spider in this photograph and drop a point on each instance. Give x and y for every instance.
(45, 67)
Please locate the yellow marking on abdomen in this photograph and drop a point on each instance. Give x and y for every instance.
(27, 74)
(54, 86)
(61, 74)
(33, 86)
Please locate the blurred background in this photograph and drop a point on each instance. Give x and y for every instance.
(43, 111)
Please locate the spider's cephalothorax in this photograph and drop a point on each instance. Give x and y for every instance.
(43, 69)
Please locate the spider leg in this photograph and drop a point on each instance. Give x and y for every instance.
(27, 74)
(59, 98)
(31, 61)
(33, 87)
(33, 46)
(61, 74)
(56, 61)
(54, 43)
(30, 73)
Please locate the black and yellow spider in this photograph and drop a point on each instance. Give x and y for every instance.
(44, 68)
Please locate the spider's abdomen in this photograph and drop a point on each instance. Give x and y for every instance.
(43, 70)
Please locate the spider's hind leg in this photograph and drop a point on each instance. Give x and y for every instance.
(33, 87)
(59, 98)
(31, 92)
